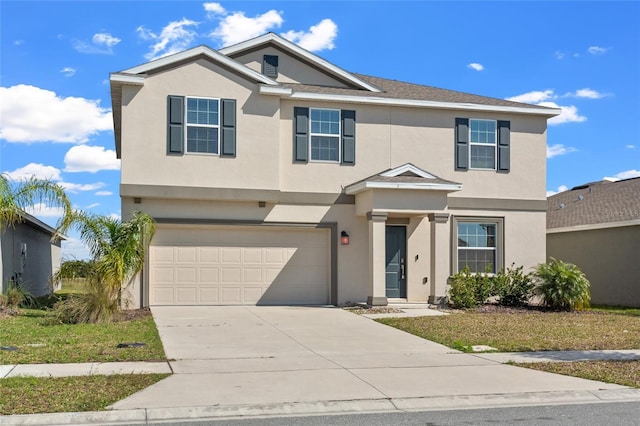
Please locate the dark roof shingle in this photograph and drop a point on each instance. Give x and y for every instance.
(393, 89)
(595, 203)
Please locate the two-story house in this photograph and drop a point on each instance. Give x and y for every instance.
(277, 177)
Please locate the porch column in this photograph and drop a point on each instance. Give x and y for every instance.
(377, 259)
(440, 267)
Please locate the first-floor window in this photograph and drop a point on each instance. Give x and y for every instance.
(478, 244)
(325, 134)
(203, 118)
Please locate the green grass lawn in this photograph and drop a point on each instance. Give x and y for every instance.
(527, 330)
(30, 395)
(63, 343)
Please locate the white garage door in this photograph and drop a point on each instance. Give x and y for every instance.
(232, 265)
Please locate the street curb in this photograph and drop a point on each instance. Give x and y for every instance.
(439, 403)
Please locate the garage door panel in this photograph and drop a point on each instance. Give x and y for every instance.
(209, 255)
(186, 295)
(231, 295)
(187, 255)
(239, 265)
(252, 256)
(209, 295)
(209, 275)
(186, 275)
(231, 255)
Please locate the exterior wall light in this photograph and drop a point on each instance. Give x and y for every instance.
(344, 238)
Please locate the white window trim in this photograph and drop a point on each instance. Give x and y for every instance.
(339, 136)
(495, 145)
(500, 240)
(186, 126)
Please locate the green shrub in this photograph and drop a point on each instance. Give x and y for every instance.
(97, 305)
(562, 286)
(513, 287)
(468, 290)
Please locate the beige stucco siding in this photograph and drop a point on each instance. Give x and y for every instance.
(290, 70)
(388, 137)
(144, 132)
(608, 257)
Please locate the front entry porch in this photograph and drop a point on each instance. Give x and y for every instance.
(409, 234)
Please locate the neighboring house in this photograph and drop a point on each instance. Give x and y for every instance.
(261, 161)
(30, 255)
(597, 227)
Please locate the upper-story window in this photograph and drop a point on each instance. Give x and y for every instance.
(482, 144)
(482, 138)
(203, 125)
(325, 134)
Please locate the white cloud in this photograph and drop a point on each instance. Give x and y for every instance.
(37, 170)
(32, 114)
(568, 114)
(236, 27)
(534, 97)
(174, 37)
(68, 71)
(103, 193)
(43, 210)
(41, 171)
(475, 66)
(558, 149)
(561, 188)
(101, 44)
(630, 146)
(586, 93)
(90, 206)
(559, 55)
(627, 174)
(105, 39)
(597, 50)
(214, 9)
(115, 216)
(84, 158)
(18, 42)
(319, 37)
(74, 188)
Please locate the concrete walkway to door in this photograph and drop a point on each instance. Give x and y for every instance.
(234, 361)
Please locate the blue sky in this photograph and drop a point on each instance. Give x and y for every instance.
(584, 57)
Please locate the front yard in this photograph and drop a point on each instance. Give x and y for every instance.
(39, 343)
(515, 330)
(518, 330)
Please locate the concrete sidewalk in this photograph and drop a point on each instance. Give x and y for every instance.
(167, 367)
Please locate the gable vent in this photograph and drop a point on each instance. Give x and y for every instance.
(270, 66)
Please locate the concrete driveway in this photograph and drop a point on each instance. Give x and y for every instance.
(226, 357)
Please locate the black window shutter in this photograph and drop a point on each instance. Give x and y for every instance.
(504, 142)
(270, 65)
(175, 125)
(301, 134)
(228, 128)
(348, 137)
(462, 143)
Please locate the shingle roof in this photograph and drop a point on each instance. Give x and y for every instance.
(595, 203)
(393, 89)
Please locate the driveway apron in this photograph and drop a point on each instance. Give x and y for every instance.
(249, 355)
